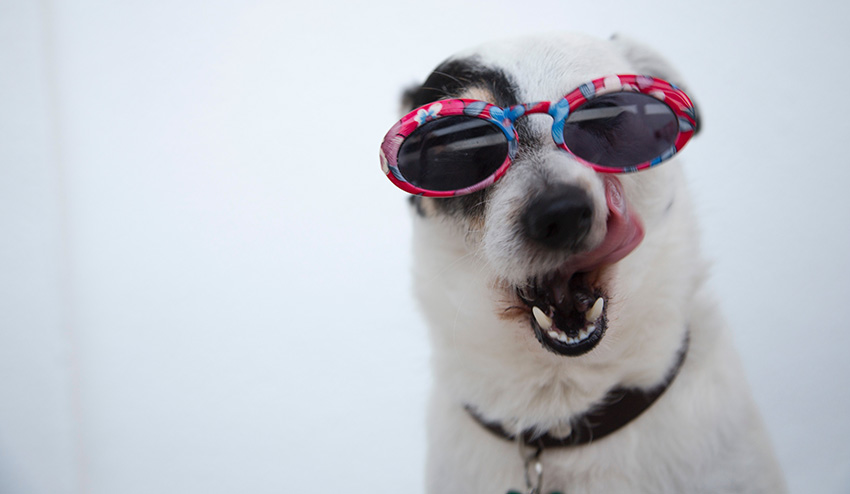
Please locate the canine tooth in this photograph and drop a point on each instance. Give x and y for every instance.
(595, 311)
(543, 320)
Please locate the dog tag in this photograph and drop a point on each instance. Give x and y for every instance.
(533, 470)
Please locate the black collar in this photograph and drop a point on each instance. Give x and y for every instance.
(619, 407)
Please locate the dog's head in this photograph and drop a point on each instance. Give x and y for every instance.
(554, 251)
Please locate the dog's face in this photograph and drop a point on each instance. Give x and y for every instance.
(554, 259)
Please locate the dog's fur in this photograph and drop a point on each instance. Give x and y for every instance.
(703, 435)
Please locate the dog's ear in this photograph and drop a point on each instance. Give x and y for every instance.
(647, 61)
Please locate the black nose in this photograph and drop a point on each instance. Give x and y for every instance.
(560, 218)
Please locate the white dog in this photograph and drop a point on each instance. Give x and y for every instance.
(575, 346)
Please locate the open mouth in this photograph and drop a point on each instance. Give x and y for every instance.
(569, 307)
(569, 313)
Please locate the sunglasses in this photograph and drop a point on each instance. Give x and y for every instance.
(615, 124)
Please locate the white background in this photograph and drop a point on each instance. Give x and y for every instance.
(204, 278)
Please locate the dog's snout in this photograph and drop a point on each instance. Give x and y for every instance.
(560, 218)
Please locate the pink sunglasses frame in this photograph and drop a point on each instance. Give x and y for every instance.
(504, 119)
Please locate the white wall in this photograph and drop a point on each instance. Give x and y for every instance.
(38, 414)
(204, 278)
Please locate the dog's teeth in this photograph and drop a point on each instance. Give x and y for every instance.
(595, 311)
(543, 320)
(563, 338)
(553, 335)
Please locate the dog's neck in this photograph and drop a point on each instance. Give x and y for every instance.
(618, 408)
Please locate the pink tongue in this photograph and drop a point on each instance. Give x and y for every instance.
(625, 232)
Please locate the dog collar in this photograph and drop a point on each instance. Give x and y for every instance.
(619, 407)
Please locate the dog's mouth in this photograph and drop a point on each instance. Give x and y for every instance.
(569, 307)
(568, 312)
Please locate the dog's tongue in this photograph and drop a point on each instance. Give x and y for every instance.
(625, 231)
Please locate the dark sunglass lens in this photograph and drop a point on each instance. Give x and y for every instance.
(621, 129)
(452, 153)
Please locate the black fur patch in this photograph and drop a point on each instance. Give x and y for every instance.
(416, 202)
(449, 80)
(697, 117)
(454, 76)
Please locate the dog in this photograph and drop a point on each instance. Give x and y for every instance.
(575, 346)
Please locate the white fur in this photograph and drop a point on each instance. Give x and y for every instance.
(702, 436)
